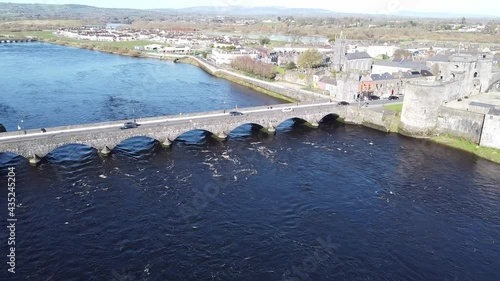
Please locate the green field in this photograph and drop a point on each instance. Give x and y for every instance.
(484, 152)
(395, 107)
(48, 36)
(280, 70)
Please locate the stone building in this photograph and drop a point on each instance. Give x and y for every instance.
(346, 88)
(366, 86)
(357, 61)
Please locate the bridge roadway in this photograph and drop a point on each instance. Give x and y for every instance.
(35, 144)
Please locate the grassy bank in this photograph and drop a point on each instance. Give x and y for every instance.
(395, 107)
(483, 152)
(256, 88)
(234, 79)
(124, 48)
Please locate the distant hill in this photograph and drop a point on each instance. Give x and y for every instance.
(252, 11)
(441, 15)
(13, 11)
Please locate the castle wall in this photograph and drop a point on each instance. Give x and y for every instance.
(460, 123)
(421, 105)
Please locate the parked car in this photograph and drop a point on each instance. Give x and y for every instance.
(393, 98)
(287, 109)
(129, 125)
(235, 113)
(343, 103)
(373, 98)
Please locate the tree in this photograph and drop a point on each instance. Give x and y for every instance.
(254, 67)
(490, 28)
(290, 65)
(310, 58)
(463, 21)
(265, 41)
(331, 40)
(401, 54)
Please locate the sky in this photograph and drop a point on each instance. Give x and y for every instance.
(476, 7)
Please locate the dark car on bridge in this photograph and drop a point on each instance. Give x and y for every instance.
(235, 113)
(393, 98)
(373, 98)
(343, 103)
(129, 125)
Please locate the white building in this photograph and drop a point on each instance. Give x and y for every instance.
(374, 51)
(381, 67)
(220, 56)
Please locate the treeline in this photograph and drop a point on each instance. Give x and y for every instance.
(255, 67)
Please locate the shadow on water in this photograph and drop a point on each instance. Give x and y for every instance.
(196, 138)
(138, 148)
(69, 160)
(70, 154)
(245, 130)
(10, 160)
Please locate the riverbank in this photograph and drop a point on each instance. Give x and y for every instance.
(226, 75)
(458, 143)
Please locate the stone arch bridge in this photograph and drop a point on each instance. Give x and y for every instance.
(36, 144)
(495, 83)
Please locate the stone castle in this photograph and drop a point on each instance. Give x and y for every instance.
(433, 107)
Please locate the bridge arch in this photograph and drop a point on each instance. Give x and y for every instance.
(253, 127)
(204, 132)
(296, 121)
(494, 86)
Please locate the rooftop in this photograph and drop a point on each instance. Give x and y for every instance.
(358, 56)
(328, 80)
(403, 64)
(366, 78)
(439, 58)
(384, 76)
(495, 110)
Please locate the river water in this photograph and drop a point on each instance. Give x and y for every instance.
(49, 85)
(335, 203)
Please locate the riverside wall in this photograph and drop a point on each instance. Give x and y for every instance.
(381, 121)
(460, 123)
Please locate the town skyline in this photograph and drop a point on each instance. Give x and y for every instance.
(386, 7)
